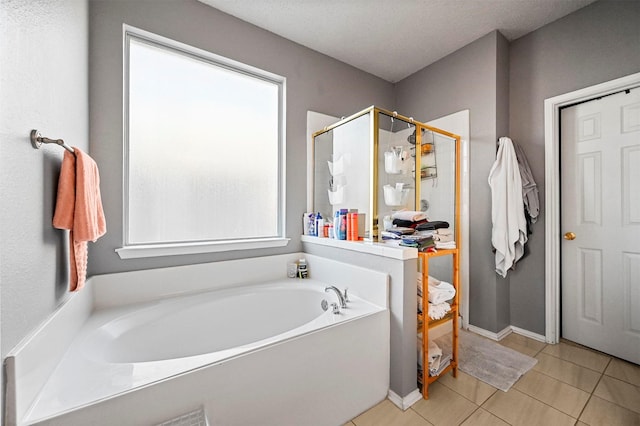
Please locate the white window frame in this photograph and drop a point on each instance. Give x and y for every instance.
(131, 250)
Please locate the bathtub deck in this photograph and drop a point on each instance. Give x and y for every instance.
(82, 379)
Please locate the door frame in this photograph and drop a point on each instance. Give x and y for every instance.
(552, 191)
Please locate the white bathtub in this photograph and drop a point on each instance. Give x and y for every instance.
(241, 354)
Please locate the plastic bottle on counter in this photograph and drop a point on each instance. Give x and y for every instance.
(336, 225)
(343, 224)
(312, 224)
(303, 271)
(352, 225)
(319, 225)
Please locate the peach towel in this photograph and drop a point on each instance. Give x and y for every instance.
(79, 209)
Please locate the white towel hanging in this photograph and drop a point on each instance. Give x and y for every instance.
(509, 232)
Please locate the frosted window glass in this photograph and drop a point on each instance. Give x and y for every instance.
(203, 149)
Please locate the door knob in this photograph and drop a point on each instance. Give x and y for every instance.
(569, 236)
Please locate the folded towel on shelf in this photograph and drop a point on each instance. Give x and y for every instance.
(443, 238)
(444, 231)
(420, 350)
(409, 215)
(400, 230)
(79, 209)
(417, 238)
(441, 292)
(424, 233)
(434, 353)
(438, 311)
(417, 241)
(437, 224)
(387, 235)
(408, 223)
(445, 360)
(445, 245)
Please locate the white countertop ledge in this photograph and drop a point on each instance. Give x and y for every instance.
(384, 249)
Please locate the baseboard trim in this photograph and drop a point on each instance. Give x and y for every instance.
(489, 334)
(407, 401)
(529, 334)
(505, 332)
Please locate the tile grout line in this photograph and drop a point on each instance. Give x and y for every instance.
(594, 389)
(473, 402)
(551, 406)
(563, 382)
(579, 365)
(420, 415)
(470, 414)
(613, 402)
(492, 413)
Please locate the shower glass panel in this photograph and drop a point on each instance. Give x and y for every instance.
(438, 177)
(343, 169)
(380, 162)
(396, 189)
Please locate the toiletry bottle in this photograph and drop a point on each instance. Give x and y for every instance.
(336, 225)
(292, 269)
(312, 224)
(352, 225)
(343, 224)
(305, 223)
(319, 226)
(303, 271)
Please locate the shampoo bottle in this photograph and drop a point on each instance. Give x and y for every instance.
(319, 226)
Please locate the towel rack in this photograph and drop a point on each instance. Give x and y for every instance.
(37, 140)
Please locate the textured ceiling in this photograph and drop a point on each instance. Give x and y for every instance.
(394, 39)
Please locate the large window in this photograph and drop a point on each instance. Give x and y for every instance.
(204, 151)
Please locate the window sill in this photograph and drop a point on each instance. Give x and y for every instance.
(157, 250)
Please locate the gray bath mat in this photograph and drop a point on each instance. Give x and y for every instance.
(487, 360)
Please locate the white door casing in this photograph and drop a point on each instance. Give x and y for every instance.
(553, 234)
(600, 220)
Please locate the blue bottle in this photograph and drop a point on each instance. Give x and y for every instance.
(319, 228)
(343, 223)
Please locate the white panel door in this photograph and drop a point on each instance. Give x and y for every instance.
(600, 173)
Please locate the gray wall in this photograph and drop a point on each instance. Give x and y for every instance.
(472, 78)
(504, 86)
(43, 85)
(314, 82)
(598, 43)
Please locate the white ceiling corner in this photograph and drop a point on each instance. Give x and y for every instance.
(394, 39)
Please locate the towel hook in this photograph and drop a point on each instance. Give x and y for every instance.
(37, 140)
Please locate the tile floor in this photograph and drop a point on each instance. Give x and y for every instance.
(570, 385)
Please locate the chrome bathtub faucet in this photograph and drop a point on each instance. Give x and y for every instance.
(341, 298)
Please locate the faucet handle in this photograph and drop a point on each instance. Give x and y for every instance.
(346, 296)
(336, 308)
